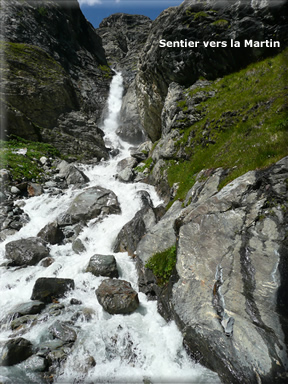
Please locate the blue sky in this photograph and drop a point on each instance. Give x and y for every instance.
(96, 10)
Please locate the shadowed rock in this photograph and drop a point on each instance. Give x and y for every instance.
(47, 289)
(26, 251)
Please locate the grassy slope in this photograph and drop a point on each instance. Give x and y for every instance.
(246, 120)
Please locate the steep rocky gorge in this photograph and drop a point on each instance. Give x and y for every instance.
(215, 120)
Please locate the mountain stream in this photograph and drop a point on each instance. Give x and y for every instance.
(136, 348)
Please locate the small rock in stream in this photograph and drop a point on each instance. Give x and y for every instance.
(117, 297)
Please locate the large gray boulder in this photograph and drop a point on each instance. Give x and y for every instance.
(91, 203)
(15, 351)
(117, 297)
(103, 265)
(47, 289)
(71, 173)
(26, 251)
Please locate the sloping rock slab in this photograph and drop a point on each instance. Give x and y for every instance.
(103, 265)
(117, 297)
(90, 204)
(48, 288)
(15, 351)
(26, 251)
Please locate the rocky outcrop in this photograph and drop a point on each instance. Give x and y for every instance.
(123, 37)
(230, 291)
(202, 21)
(55, 64)
(117, 297)
(132, 232)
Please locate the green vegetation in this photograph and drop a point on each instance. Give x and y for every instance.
(162, 264)
(197, 15)
(42, 11)
(147, 164)
(106, 71)
(24, 167)
(222, 23)
(25, 58)
(243, 127)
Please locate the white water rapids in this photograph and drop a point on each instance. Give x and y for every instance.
(127, 348)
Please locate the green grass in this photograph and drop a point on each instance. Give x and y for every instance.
(162, 264)
(243, 127)
(25, 167)
(25, 58)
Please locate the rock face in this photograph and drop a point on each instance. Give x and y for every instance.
(47, 289)
(50, 74)
(117, 297)
(230, 290)
(201, 21)
(132, 232)
(25, 252)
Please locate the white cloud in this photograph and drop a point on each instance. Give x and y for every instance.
(89, 2)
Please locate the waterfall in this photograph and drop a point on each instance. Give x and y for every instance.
(136, 348)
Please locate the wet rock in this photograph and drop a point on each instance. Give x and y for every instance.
(15, 351)
(35, 364)
(47, 289)
(26, 251)
(51, 233)
(85, 314)
(117, 297)
(61, 331)
(23, 320)
(78, 246)
(44, 348)
(75, 301)
(47, 262)
(91, 203)
(29, 308)
(103, 265)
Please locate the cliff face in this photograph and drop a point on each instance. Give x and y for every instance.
(54, 49)
(202, 21)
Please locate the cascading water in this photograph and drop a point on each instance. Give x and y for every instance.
(136, 348)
